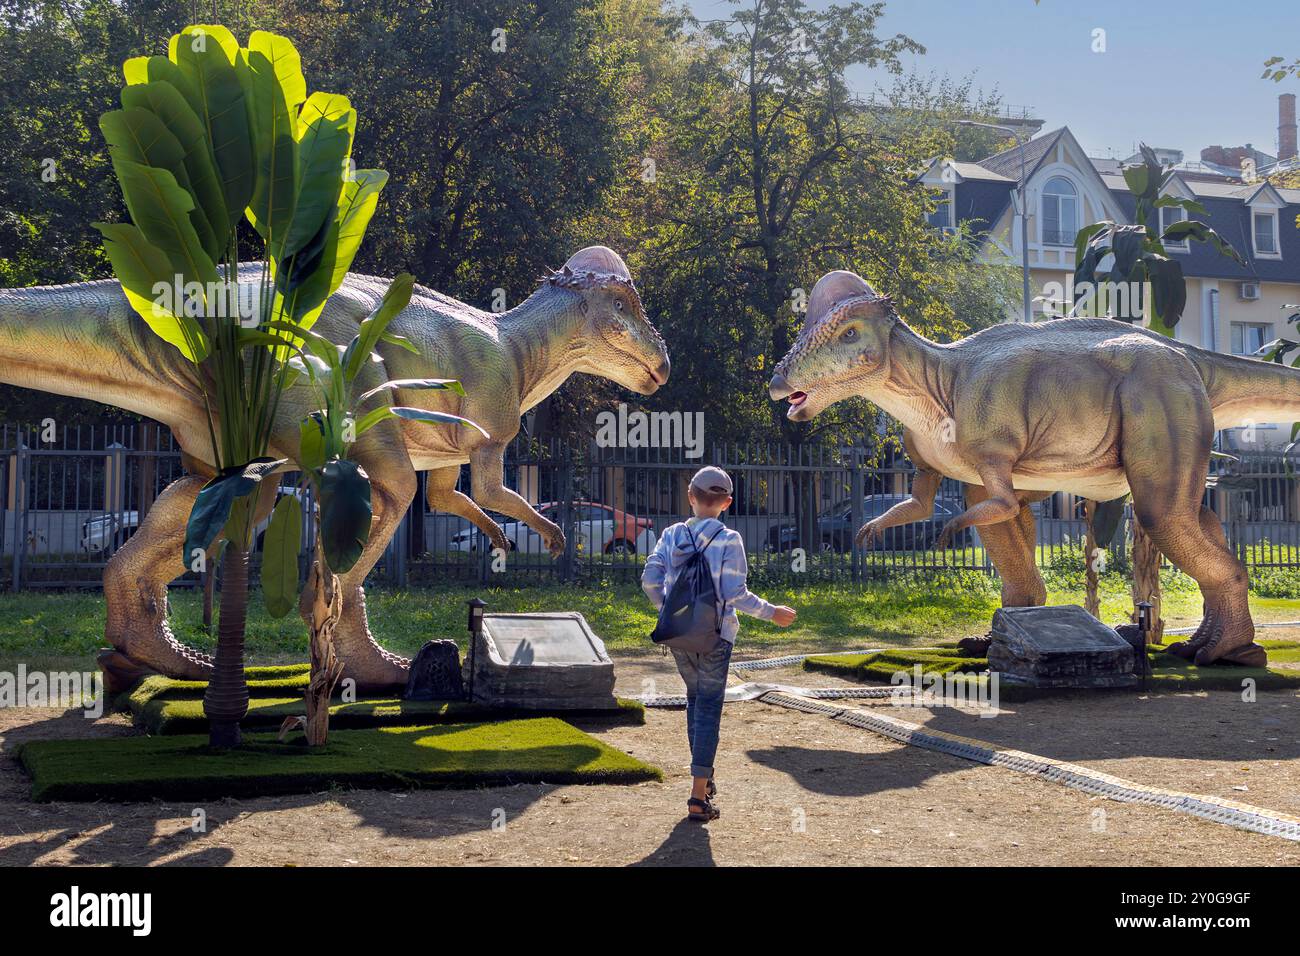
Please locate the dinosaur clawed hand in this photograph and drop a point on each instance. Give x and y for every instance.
(949, 534)
(868, 534)
(554, 539)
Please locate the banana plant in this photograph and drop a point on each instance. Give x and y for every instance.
(1107, 252)
(211, 134)
(340, 486)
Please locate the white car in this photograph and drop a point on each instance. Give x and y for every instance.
(600, 530)
(103, 534)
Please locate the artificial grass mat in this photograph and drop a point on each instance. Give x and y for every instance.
(540, 750)
(163, 705)
(1169, 671)
(172, 717)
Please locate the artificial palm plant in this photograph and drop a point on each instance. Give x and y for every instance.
(208, 135)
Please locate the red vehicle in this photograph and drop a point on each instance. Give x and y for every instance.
(600, 529)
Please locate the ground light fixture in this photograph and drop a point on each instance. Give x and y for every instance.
(476, 606)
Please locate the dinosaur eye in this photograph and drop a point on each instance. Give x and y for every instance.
(849, 334)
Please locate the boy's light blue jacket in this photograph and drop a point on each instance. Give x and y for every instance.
(725, 555)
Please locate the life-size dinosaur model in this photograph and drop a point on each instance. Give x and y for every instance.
(84, 340)
(1093, 407)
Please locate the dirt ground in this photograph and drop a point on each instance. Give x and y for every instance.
(795, 789)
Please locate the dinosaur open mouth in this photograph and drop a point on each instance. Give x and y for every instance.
(796, 398)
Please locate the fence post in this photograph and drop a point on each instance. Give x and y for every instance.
(567, 524)
(858, 492)
(22, 475)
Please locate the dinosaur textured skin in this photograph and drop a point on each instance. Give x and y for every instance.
(1094, 407)
(84, 340)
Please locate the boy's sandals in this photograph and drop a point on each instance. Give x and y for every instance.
(702, 811)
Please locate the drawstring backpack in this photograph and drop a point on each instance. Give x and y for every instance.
(690, 619)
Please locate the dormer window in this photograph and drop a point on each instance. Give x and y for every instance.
(1265, 233)
(1060, 212)
(942, 216)
(1168, 216)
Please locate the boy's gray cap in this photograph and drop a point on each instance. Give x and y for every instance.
(712, 480)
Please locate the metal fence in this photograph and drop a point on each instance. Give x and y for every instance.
(73, 496)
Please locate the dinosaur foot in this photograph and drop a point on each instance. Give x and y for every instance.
(1247, 655)
(1223, 638)
(365, 662)
(1204, 633)
(975, 646)
(160, 653)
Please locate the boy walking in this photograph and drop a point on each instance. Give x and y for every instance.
(705, 674)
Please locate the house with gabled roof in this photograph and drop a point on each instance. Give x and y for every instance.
(1230, 308)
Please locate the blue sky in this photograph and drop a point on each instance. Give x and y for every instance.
(1041, 56)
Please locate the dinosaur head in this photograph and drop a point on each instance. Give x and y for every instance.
(620, 342)
(843, 349)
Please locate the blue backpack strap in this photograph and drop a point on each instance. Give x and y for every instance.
(721, 565)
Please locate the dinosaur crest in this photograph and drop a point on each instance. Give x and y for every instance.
(590, 268)
(834, 298)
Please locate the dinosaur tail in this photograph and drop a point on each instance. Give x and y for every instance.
(1246, 391)
(84, 341)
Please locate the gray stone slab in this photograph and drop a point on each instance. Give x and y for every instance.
(541, 661)
(1060, 646)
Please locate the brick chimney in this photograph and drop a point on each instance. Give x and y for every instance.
(1286, 127)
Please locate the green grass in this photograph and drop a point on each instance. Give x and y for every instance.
(908, 609)
(542, 750)
(1169, 671)
(171, 717)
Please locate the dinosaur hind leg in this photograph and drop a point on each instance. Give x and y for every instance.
(135, 591)
(1166, 449)
(1011, 546)
(392, 489)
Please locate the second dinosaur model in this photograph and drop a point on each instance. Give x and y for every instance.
(1094, 407)
(84, 340)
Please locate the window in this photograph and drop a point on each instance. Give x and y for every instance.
(1168, 216)
(1265, 233)
(941, 218)
(1060, 212)
(1249, 337)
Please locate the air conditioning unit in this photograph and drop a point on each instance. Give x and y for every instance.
(1249, 291)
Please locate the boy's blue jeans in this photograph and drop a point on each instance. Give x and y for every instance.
(706, 684)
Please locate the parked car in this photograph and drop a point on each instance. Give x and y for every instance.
(600, 530)
(835, 528)
(104, 534)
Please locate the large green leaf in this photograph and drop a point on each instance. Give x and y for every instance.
(1193, 229)
(1105, 520)
(140, 136)
(396, 298)
(277, 89)
(210, 60)
(325, 129)
(355, 207)
(280, 547)
(163, 100)
(450, 384)
(343, 492)
(375, 416)
(140, 267)
(1168, 292)
(158, 69)
(311, 442)
(161, 210)
(211, 508)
